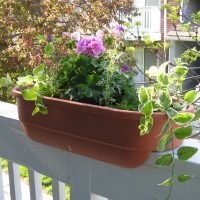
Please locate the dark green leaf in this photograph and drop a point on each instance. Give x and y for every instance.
(197, 115)
(184, 178)
(191, 96)
(166, 127)
(180, 70)
(164, 142)
(171, 112)
(143, 129)
(183, 132)
(165, 100)
(149, 121)
(43, 110)
(147, 109)
(165, 160)
(167, 182)
(49, 49)
(143, 95)
(164, 79)
(184, 117)
(185, 153)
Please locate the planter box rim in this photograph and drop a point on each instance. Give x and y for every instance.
(53, 100)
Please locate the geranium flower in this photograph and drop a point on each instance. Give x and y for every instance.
(92, 46)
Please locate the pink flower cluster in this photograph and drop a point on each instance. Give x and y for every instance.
(91, 45)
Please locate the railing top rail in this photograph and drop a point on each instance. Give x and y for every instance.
(86, 175)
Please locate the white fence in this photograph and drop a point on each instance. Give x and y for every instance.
(87, 177)
(150, 20)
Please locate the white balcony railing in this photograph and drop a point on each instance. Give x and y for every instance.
(150, 20)
(87, 178)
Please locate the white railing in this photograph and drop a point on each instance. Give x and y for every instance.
(87, 178)
(150, 20)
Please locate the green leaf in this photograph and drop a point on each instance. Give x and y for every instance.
(166, 127)
(8, 78)
(30, 94)
(183, 132)
(35, 111)
(191, 96)
(27, 80)
(49, 49)
(167, 182)
(143, 129)
(164, 79)
(197, 115)
(164, 142)
(184, 117)
(143, 95)
(41, 37)
(184, 178)
(171, 112)
(180, 70)
(43, 110)
(149, 121)
(185, 153)
(39, 70)
(165, 160)
(3, 82)
(165, 100)
(9, 91)
(147, 109)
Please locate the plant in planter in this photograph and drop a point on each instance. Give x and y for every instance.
(93, 108)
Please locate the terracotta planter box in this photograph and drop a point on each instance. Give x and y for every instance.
(102, 133)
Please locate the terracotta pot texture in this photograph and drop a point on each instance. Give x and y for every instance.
(102, 133)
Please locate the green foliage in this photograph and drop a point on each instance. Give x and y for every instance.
(82, 78)
(167, 182)
(184, 117)
(166, 127)
(184, 178)
(183, 132)
(166, 95)
(164, 142)
(165, 160)
(26, 25)
(185, 153)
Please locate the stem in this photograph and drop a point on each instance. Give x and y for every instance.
(173, 167)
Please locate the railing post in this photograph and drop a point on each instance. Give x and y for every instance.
(58, 190)
(80, 181)
(35, 185)
(1, 182)
(14, 179)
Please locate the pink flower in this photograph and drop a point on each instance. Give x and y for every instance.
(76, 36)
(65, 35)
(92, 46)
(100, 33)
